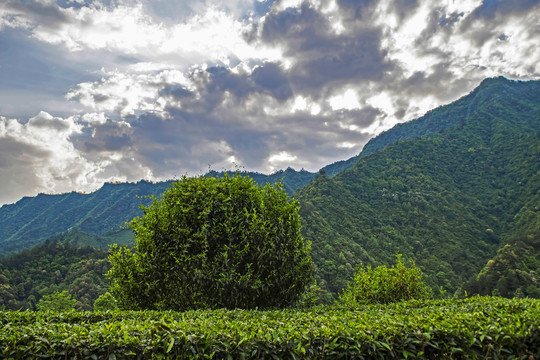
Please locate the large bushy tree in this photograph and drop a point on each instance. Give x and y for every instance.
(213, 243)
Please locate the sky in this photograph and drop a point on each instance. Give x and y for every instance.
(95, 91)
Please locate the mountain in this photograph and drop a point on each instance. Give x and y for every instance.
(101, 214)
(447, 190)
(33, 219)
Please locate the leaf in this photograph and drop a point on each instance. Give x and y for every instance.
(406, 354)
(171, 344)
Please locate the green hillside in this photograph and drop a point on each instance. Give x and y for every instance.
(102, 213)
(56, 265)
(448, 200)
(33, 219)
(514, 271)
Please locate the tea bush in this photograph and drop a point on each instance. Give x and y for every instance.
(475, 328)
(386, 285)
(214, 243)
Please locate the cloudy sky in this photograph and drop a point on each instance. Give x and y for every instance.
(123, 90)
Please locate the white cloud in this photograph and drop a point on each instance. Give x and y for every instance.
(280, 160)
(305, 85)
(39, 155)
(126, 93)
(41, 150)
(212, 36)
(347, 100)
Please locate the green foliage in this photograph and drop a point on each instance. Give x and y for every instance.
(383, 285)
(51, 267)
(476, 328)
(514, 271)
(105, 302)
(431, 199)
(57, 301)
(212, 243)
(32, 220)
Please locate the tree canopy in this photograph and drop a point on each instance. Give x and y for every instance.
(214, 243)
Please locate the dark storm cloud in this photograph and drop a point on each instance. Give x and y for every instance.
(13, 152)
(404, 8)
(98, 98)
(187, 141)
(423, 84)
(175, 91)
(111, 136)
(365, 10)
(17, 169)
(321, 57)
(213, 84)
(271, 79)
(357, 8)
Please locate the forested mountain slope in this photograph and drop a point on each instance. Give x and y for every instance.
(449, 190)
(33, 219)
(514, 271)
(53, 266)
(448, 200)
(104, 212)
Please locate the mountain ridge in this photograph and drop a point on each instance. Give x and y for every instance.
(447, 200)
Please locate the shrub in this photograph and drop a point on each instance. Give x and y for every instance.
(105, 302)
(57, 301)
(214, 243)
(386, 285)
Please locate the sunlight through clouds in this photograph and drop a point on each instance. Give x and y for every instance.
(132, 89)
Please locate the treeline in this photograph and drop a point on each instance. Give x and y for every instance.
(51, 268)
(513, 272)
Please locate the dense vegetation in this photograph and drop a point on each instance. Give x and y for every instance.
(54, 266)
(514, 271)
(456, 190)
(33, 219)
(385, 285)
(214, 243)
(484, 328)
(448, 201)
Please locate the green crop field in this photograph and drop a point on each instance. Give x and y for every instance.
(479, 327)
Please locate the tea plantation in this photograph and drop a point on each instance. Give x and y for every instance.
(474, 328)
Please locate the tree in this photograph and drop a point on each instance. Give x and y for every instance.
(386, 285)
(214, 243)
(105, 302)
(57, 301)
